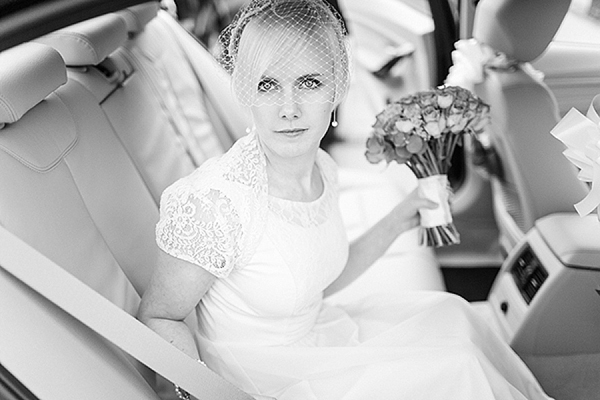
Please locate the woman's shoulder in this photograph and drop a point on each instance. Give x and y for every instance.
(245, 163)
(241, 168)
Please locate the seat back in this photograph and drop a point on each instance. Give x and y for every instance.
(229, 119)
(187, 79)
(535, 179)
(150, 91)
(173, 84)
(143, 125)
(69, 188)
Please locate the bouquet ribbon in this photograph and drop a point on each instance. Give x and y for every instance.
(581, 136)
(435, 188)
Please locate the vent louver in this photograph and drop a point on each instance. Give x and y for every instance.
(529, 274)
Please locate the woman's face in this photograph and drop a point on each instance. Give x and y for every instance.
(294, 104)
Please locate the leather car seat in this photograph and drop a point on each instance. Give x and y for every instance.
(143, 125)
(69, 188)
(134, 61)
(191, 84)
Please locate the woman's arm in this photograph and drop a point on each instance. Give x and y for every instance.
(372, 244)
(175, 289)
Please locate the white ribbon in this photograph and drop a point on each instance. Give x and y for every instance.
(436, 189)
(467, 64)
(469, 61)
(581, 136)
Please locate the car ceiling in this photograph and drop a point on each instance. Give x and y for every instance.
(24, 20)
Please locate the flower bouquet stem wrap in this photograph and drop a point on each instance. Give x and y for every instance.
(422, 131)
(437, 189)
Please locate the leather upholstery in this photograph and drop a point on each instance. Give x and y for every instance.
(172, 84)
(137, 17)
(127, 95)
(537, 180)
(520, 29)
(25, 81)
(72, 192)
(88, 42)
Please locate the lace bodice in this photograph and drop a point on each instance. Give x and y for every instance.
(215, 216)
(284, 253)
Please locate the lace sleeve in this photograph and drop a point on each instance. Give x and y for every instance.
(215, 216)
(203, 228)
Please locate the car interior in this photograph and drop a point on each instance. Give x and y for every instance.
(104, 104)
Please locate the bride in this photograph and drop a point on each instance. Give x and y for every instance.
(253, 242)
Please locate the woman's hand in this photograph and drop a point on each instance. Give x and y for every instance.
(406, 213)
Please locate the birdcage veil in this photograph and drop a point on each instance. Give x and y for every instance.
(273, 45)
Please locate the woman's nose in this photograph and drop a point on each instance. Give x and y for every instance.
(289, 108)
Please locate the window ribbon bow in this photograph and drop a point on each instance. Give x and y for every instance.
(581, 135)
(470, 61)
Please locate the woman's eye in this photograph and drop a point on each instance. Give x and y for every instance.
(310, 83)
(266, 85)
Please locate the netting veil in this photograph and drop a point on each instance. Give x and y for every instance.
(286, 50)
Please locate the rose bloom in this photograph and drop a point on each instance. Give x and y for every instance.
(456, 122)
(402, 154)
(375, 149)
(389, 112)
(445, 100)
(433, 129)
(404, 125)
(412, 111)
(427, 99)
(398, 139)
(431, 114)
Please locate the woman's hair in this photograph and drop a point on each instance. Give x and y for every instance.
(269, 34)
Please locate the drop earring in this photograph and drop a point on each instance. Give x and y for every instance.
(334, 122)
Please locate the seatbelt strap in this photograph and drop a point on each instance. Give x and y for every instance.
(109, 321)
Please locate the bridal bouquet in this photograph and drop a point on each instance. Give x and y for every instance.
(422, 130)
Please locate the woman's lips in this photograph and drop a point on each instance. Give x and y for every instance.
(291, 132)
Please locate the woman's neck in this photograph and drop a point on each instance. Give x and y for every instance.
(296, 179)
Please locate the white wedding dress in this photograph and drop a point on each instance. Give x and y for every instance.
(265, 326)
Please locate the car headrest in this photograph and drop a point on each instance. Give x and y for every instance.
(30, 72)
(520, 29)
(88, 42)
(137, 17)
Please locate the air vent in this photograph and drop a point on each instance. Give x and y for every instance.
(529, 274)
